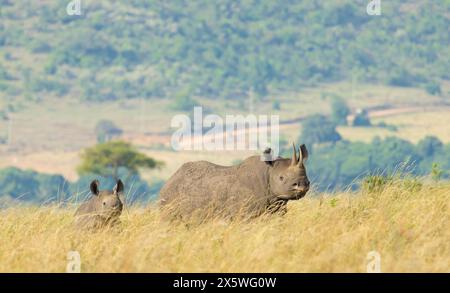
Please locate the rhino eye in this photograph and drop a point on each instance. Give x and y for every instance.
(104, 203)
(281, 178)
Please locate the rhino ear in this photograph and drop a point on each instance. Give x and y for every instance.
(303, 153)
(94, 187)
(267, 156)
(119, 187)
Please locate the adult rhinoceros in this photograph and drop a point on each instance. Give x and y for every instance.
(250, 189)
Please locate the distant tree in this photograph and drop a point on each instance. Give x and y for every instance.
(400, 77)
(105, 159)
(429, 146)
(4, 75)
(318, 129)
(392, 153)
(433, 88)
(105, 130)
(3, 115)
(18, 184)
(183, 101)
(339, 111)
(361, 119)
(383, 124)
(276, 105)
(28, 185)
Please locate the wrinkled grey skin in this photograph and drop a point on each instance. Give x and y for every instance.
(103, 209)
(248, 189)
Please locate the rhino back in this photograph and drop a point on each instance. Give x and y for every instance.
(87, 207)
(193, 179)
(198, 185)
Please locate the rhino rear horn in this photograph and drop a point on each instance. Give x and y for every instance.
(294, 156)
(303, 154)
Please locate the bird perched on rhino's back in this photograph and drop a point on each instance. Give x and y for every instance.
(103, 209)
(248, 189)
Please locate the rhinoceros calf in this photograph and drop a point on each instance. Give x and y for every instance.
(248, 189)
(103, 209)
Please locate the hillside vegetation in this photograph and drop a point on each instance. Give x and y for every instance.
(129, 49)
(406, 221)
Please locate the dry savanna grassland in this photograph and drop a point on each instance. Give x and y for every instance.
(406, 222)
(320, 233)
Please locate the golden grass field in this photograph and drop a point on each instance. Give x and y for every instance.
(408, 225)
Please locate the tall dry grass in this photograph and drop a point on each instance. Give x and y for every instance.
(409, 226)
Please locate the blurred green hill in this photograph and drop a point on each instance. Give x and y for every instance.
(225, 49)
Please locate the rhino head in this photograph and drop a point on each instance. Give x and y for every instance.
(107, 203)
(288, 180)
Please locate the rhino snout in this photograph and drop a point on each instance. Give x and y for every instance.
(301, 189)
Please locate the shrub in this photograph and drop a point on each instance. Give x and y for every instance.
(276, 105)
(362, 119)
(433, 88)
(318, 129)
(339, 111)
(105, 130)
(375, 183)
(183, 101)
